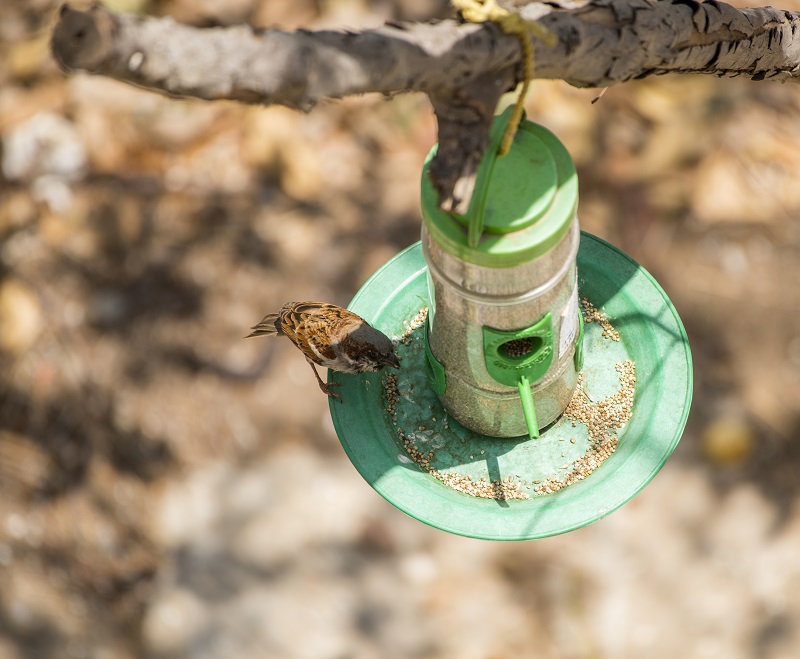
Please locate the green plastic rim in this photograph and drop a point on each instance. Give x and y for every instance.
(652, 335)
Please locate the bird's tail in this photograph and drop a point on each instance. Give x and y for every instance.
(269, 326)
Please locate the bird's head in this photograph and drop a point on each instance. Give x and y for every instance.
(369, 350)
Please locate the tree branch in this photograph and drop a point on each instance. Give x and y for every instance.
(464, 68)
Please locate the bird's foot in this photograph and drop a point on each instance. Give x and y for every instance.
(327, 389)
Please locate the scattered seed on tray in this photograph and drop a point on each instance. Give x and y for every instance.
(591, 314)
(603, 419)
(416, 322)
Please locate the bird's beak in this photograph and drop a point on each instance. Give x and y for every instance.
(393, 361)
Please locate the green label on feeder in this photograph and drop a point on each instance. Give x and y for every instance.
(511, 354)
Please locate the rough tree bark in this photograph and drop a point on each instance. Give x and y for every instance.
(463, 68)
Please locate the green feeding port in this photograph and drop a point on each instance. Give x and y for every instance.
(519, 359)
(526, 352)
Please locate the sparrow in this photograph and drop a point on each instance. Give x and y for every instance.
(332, 337)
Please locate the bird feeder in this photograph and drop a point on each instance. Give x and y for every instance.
(488, 430)
(502, 331)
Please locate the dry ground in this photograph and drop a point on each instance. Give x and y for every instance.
(169, 490)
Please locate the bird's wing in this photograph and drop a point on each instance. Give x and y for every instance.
(318, 322)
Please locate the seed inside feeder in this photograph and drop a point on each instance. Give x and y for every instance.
(518, 348)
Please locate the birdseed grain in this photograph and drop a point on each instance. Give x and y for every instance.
(592, 314)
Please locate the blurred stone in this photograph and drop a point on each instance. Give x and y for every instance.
(129, 6)
(345, 167)
(178, 125)
(275, 140)
(421, 10)
(294, 237)
(18, 104)
(54, 192)
(418, 568)
(108, 138)
(27, 57)
(668, 194)
(750, 176)
(324, 490)
(6, 555)
(301, 175)
(17, 210)
(568, 112)
(215, 166)
(25, 466)
(777, 409)
(107, 308)
(360, 14)
(190, 509)
(116, 650)
(21, 319)
(670, 146)
(725, 192)
(286, 16)
(8, 651)
(127, 130)
(173, 622)
(263, 131)
(738, 528)
(793, 352)
(31, 603)
(45, 144)
(728, 440)
(376, 537)
(12, 25)
(376, 257)
(205, 11)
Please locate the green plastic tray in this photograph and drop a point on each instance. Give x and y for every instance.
(652, 335)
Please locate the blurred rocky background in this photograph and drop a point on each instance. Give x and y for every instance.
(168, 490)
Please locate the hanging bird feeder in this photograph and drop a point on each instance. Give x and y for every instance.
(545, 376)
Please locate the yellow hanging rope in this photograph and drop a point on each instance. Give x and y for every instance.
(480, 11)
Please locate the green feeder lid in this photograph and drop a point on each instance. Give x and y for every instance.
(652, 335)
(523, 203)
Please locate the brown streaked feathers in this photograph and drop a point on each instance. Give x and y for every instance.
(330, 336)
